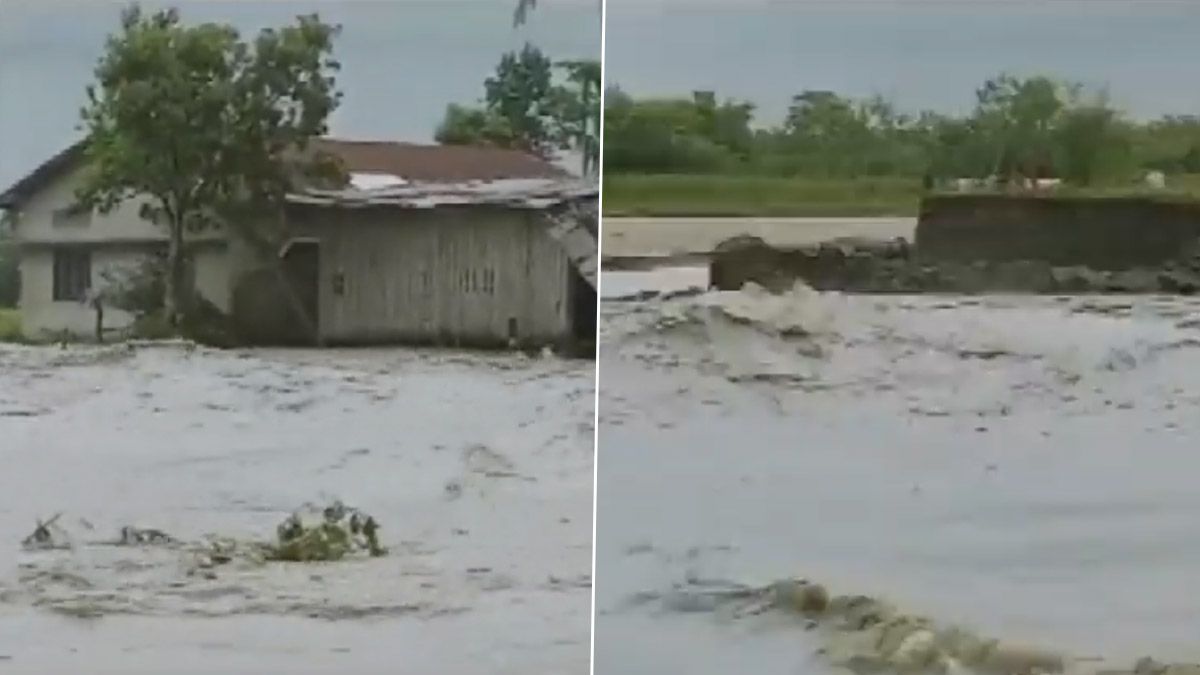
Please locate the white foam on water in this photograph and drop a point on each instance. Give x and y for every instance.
(197, 441)
(1023, 466)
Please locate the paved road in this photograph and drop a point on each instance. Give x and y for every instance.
(635, 237)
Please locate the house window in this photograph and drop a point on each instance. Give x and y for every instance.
(71, 216)
(72, 273)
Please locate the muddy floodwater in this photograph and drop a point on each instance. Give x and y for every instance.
(478, 468)
(1023, 467)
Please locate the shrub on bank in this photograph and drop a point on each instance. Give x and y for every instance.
(10, 326)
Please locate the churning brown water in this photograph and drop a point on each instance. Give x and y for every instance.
(479, 469)
(1025, 467)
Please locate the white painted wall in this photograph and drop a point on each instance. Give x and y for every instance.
(35, 221)
(42, 317)
(123, 238)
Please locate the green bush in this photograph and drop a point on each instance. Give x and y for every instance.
(204, 324)
(10, 326)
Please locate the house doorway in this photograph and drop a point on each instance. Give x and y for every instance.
(302, 271)
(583, 312)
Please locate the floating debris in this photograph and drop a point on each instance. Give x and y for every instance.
(47, 535)
(342, 531)
(134, 536)
(175, 568)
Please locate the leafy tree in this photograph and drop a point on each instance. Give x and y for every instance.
(956, 149)
(523, 107)
(726, 124)
(660, 135)
(677, 134)
(1170, 144)
(832, 130)
(1093, 144)
(1017, 117)
(464, 125)
(1191, 160)
(576, 110)
(821, 116)
(205, 127)
(520, 93)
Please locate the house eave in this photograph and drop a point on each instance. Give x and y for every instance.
(42, 175)
(114, 241)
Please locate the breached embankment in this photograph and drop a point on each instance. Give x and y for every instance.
(993, 244)
(860, 266)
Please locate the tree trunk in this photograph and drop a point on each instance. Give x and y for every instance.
(175, 300)
(98, 304)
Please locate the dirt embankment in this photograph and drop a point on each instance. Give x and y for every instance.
(1111, 233)
(993, 243)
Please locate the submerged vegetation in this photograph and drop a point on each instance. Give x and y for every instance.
(833, 155)
(156, 563)
(338, 532)
(139, 290)
(866, 635)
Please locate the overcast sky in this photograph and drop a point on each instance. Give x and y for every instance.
(406, 59)
(921, 53)
(403, 61)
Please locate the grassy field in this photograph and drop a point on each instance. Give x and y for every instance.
(765, 196)
(10, 325)
(735, 196)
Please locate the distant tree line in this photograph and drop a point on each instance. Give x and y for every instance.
(1034, 127)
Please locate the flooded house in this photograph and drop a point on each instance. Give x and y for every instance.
(426, 244)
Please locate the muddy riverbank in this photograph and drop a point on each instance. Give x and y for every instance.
(1020, 466)
(896, 266)
(478, 467)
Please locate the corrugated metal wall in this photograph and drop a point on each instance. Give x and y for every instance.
(465, 276)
